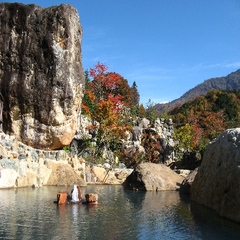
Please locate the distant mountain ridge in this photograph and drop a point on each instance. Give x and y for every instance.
(229, 82)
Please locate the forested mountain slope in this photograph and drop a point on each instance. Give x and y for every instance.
(200, 120)
(230, 82)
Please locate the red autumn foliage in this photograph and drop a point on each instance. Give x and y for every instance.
(151, 144)
(212, 123)
(108, 105)
(102, 87)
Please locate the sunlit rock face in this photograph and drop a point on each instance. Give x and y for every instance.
(153, 177)
(41, 74)
(217, 183)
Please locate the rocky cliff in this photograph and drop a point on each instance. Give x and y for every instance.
(41, 74)
(162, 129)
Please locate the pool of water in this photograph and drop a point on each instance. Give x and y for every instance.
(31, 214)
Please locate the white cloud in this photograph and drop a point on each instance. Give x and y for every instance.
(233, 65)
(164, 102)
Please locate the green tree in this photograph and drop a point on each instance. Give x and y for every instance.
(226, 102)
(142, 112)
(124, 90)
(135, 95)
(185, 136)
(151, 111)
(130, 96)
(165, 115)
(136, 98)
(86, 99)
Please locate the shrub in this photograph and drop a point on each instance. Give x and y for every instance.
(150, 142)
(131, 158)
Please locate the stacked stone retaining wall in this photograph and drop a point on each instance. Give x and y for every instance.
(24, 166)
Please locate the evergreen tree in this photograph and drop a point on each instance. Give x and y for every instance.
(151, 111)
(142, 112)
(86, 100)
(135, 99)
(124, 90)
(135, 95)
(225, 101)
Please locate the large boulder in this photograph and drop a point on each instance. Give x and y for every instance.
(41, 74)
(153, 177)
(217, 183)
(63, 174)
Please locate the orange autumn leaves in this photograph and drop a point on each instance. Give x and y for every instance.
(107, 104)
(101, 90)
(201, 120)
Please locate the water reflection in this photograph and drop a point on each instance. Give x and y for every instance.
(207, 219)
(31, 214)
(163, 214)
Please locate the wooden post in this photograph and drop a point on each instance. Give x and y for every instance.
(62, 197)
(79, 193)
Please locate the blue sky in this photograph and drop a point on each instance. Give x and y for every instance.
(166, 46)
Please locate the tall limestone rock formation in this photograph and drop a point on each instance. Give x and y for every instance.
(41, 74)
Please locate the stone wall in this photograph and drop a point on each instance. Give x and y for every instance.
(24, 166)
